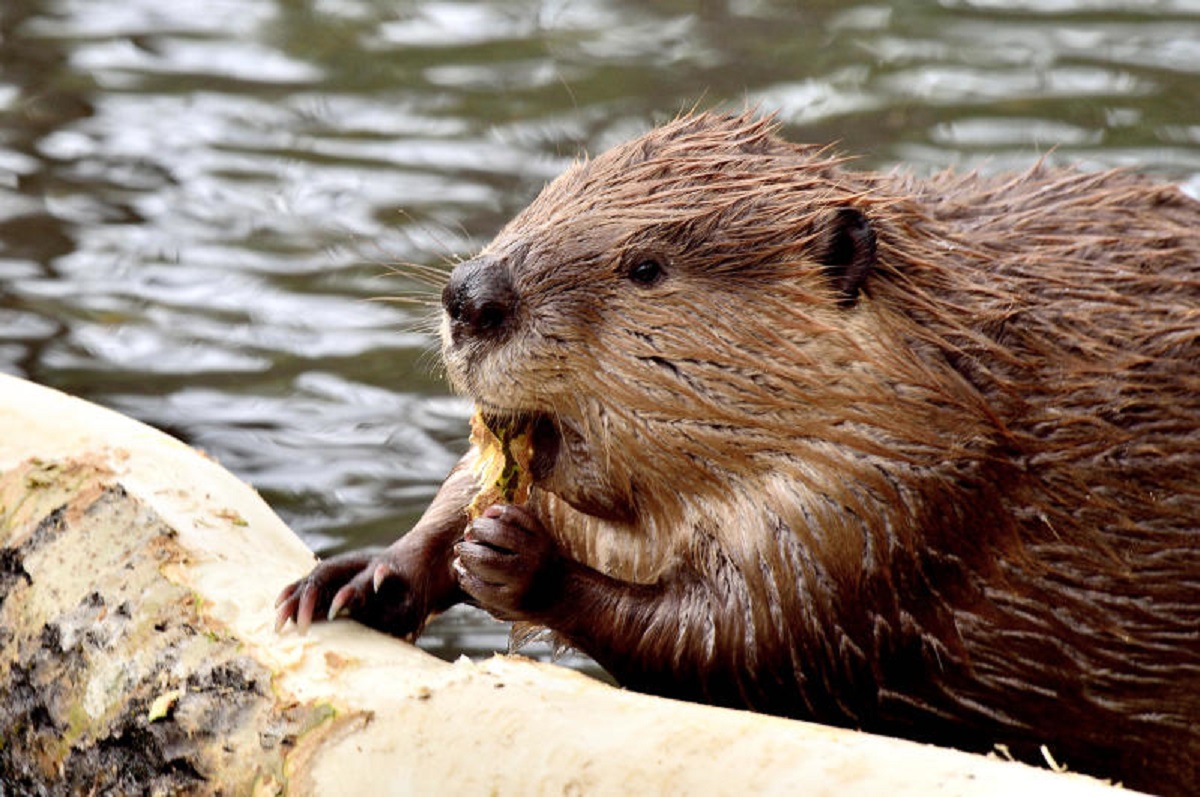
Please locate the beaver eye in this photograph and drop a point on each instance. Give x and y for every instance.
(646, 272)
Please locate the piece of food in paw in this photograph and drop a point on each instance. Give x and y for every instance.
(505, 450)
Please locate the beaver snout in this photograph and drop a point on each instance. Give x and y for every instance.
(479, 299)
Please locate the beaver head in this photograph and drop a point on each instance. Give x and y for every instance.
(688, 312)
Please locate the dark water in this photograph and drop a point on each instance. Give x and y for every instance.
(199, 199)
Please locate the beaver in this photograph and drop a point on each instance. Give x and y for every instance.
(915, 456)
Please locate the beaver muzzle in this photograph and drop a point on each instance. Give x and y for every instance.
(479, 300)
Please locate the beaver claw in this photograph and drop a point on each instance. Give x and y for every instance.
(368, 587)
(509, 564)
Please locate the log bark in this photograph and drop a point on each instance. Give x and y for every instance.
(138, 656)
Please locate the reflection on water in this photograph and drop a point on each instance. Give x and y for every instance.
(199, 199)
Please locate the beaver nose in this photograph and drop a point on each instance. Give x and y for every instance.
(479, 298)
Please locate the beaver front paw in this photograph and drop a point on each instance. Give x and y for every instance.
(373, 588)
(510, 565)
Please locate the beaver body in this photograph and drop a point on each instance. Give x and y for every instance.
(920, 457)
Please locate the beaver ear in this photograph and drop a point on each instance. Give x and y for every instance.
(849, 254)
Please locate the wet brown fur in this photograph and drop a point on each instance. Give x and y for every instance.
(964, 507)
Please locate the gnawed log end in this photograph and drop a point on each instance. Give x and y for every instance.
(112, 680)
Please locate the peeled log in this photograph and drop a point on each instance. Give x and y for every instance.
(138, 656)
